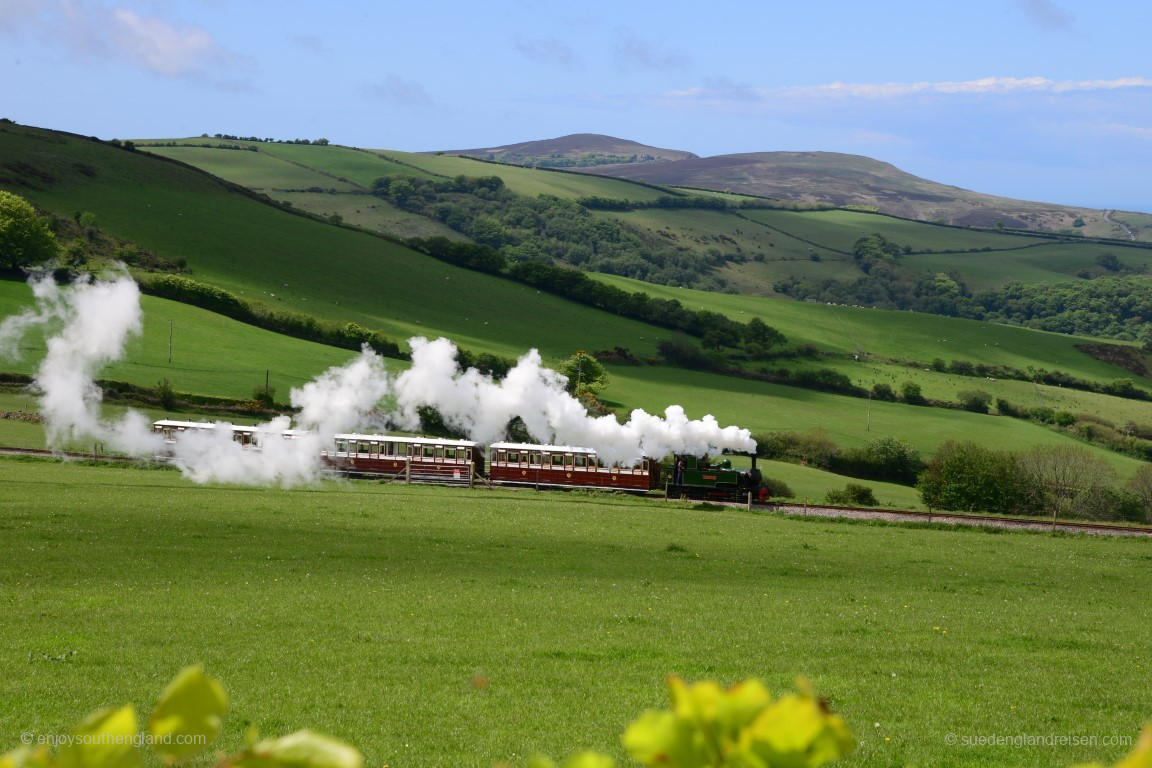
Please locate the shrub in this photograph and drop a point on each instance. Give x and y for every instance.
(911, 393)
(975, 400)
(886, 458)
(166, 395)
(1008, 409)
(853, 494)
(778, 489)
(884, 392)
(966, 476)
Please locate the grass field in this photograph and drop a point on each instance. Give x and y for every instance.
(211, 354)
(435, 627)
(329, 272)
(897, 335)
(785, 241)
(850, 421)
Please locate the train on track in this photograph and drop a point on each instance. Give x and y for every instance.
(452, 461)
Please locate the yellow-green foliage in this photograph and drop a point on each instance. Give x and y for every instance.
(186, 720)
(707, 727)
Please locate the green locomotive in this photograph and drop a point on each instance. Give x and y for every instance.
(699, 478)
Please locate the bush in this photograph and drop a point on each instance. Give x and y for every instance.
(969, 477)
(778, 489)
(1008, 409)
(166, 395)
(975, 400)
(884, 392)
(886, 458)
(813, 447)
(853, 494)
(911, 393)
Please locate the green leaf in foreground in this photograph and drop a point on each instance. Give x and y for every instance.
(188, 716)
(303, 749)
(108, 738)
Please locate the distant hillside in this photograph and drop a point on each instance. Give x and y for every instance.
(577, 150)
(852, 180)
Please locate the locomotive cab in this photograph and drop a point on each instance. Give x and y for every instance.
(696, 477)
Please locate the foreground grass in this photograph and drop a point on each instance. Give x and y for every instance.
(441, 627)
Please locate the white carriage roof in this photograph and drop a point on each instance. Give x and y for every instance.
(404, 439)
(212, 425)
(533, 447)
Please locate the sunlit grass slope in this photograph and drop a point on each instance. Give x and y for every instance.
(438, 627)
(330, 272)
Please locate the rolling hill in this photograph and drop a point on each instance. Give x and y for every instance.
(576, 150)
(233, 238)
(828, 178)
(734, 248)
(852, 180)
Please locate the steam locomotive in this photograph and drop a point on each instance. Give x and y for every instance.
(452, 461)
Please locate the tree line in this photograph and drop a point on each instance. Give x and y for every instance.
(1064, 480)
(1110, 299)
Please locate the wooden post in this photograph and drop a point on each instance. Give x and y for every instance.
(749, 501)
(408, 470)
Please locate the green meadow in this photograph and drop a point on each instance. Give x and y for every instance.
(776, 243)
(895, 335)
(441, 627)
(211, 354)
(850, 421)
(272, 257)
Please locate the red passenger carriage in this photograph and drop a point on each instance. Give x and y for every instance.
(560, 466)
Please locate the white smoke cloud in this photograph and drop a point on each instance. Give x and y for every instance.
(88, 324)
(481, 407)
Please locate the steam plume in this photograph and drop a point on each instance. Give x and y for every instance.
(88, 324)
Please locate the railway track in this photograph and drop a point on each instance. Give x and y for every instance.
(959, 518)
(70, 455)
(803, 510)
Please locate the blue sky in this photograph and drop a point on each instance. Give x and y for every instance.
(1039, 99)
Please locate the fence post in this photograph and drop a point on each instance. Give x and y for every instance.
(749, 501)
(408, 471)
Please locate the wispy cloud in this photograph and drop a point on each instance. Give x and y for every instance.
(311, 43)
(163, 47)
(147, 41)
(398, 90)
(548, 51)
(986, 85)
(1046, 13)
(632, 52)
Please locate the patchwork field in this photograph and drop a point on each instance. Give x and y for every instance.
(436, 627)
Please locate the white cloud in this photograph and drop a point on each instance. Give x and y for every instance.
(986, 85)
(397, 90)
(1046, 13)
(633, 52)
(162, 47)
(549, 51)
(92, 30)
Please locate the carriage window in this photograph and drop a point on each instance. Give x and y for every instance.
(468, 454)
(557, 460)
(341, 446)
(450, 454)
(645, 465)
(534, 458)
(514, 457)
(362, 448)
(429, 451)
(581, 461)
